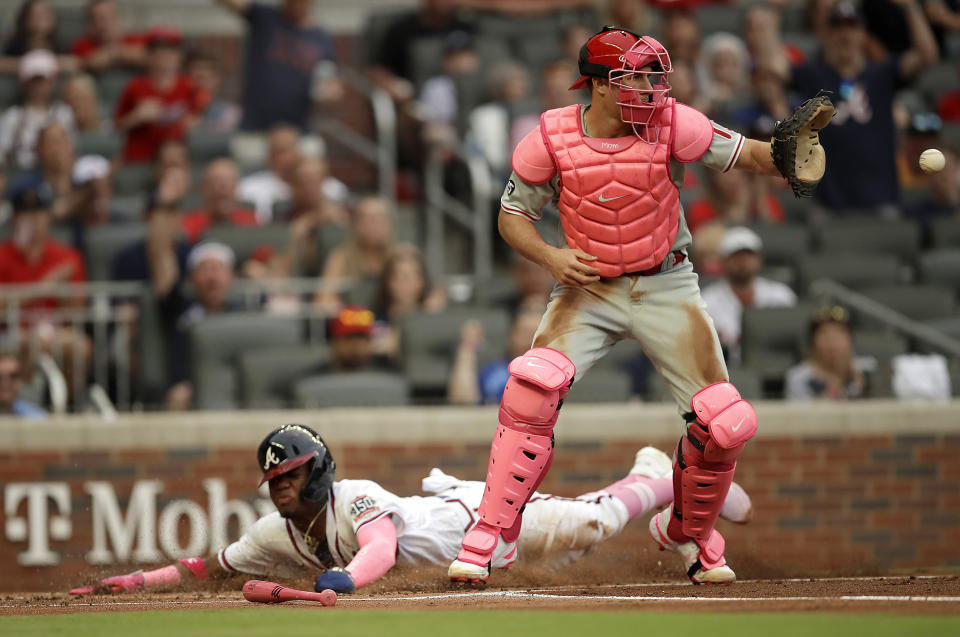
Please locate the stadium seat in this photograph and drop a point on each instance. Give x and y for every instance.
(881, 344)
(129, 208)
(216, 344)
(783, 244)
(496, 291)
(601, 386)
(9, 89)
(110, 85)
(719, 18)
(945, 232)
(354, 389)
(949, 326)
(102, 243)
(266, 375)
(328, 238)
(940, 267)
(429, 341)
(132, 179)
(919, 302)
(205, 145)
(151, 351)
(747, 381)
(901, 238)
(851, 270)
(105, 143)
(772, 338)
(246, 239)
(938, 79)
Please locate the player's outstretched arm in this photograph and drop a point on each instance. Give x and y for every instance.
(166, 578)
(377, 555)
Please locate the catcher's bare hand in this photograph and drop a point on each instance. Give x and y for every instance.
(568, 268)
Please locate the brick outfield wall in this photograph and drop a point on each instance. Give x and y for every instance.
(838, 504)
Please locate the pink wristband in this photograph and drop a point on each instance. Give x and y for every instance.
(196, 566)
(162, 577)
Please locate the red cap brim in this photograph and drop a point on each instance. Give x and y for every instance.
(580, 83)
(284, 467)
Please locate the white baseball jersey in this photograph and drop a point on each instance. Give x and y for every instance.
(429, 529)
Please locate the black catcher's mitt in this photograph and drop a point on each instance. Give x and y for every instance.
(796, 148)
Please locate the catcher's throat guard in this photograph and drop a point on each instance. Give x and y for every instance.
(795, 147)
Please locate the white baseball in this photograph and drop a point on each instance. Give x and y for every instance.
(932, 161)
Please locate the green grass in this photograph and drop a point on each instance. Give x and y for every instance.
(277, 621)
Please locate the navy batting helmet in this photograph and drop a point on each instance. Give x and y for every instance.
(290, 446)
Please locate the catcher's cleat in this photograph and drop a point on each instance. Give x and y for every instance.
(473, 565)
(652, 463)
(700, 569)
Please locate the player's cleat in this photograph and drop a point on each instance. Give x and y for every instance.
(652, 463)
(474, 567)
(700, 569)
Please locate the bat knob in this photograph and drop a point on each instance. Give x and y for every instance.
(328, 597)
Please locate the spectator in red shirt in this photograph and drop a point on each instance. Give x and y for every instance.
(163, 104)
(105, 45)
(219, 202)
(31, 256)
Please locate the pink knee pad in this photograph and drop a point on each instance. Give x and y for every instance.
(522, 448)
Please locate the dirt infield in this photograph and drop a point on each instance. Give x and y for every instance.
(915, 594)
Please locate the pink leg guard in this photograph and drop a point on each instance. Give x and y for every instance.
(522, 448)
(719, 426)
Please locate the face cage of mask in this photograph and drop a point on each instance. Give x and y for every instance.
(634, 110)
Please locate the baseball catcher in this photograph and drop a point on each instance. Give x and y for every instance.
(613, 168)
(352, 532)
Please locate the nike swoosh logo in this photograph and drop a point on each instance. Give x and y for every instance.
(603, 199)
(738, 424)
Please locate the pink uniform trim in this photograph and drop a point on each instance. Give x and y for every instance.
(196, 566)
(692, 132)
(531, 160)
(378, 551)
(166, 577)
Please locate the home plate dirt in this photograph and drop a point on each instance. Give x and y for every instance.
(917, 594)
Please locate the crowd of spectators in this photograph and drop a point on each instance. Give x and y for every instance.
(455, 81)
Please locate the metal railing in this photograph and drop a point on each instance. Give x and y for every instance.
(381, 151)
(476, 218)
(109, 314)
(928, 336)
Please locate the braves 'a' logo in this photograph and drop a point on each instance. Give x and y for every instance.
(271, 459)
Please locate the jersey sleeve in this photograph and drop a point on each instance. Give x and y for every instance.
(251, 553)
(724, 149)
(364, 501)
(527, 200)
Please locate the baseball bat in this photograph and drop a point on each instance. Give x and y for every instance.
(273, 593)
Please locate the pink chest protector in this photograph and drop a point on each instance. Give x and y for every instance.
(617, 199)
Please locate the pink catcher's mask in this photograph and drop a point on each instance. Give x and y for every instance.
(642, 86)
